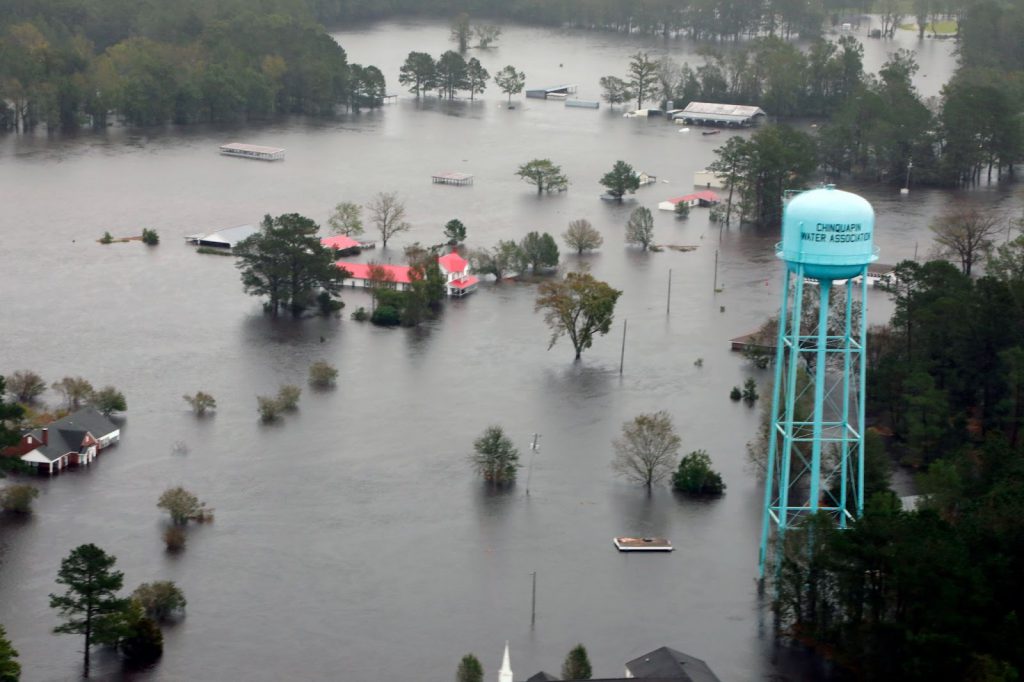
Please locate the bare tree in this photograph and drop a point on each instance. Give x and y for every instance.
(388, 212)
(965, 233)
(646, 452)
(581, 236)
(640, 228)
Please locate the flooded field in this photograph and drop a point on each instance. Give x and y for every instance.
(352, 540)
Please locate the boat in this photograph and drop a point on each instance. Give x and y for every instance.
(710, 132)
(628, 544)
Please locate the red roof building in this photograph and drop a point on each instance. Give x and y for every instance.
(702, 198)
(455, 268)
(340, 243)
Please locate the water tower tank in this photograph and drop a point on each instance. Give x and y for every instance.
(830, 232)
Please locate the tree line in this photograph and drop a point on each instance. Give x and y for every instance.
(66, 64)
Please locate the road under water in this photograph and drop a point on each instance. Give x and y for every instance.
(352, 540)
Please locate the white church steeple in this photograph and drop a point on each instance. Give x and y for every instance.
(505, 674)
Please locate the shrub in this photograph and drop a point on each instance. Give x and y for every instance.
(735, 393)
(360, 315)
(288, 397)
(328, 304)
(25, 385)
(17, 499)
(386, 316)
(183, 506)
(201, 402)
(322, 374)
(160, 600)
(142, 642)
(750, 391)
(150, 237)
(682, 210)
(108, 400)
(268, 408)
(107, 238)
(696, 477)
(174, 538)
(495, 458)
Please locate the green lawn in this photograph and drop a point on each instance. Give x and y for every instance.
(948, 26)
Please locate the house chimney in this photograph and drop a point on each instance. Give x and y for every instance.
(46, 436)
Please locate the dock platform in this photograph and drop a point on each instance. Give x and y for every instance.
(626, 544)
(452, 178)
(252, 151)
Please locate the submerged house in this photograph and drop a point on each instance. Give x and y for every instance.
(703, 198)
(455, 268)
(664, 664)
(72, 440)
(723, 115)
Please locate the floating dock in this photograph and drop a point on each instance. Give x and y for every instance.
(452, 178)
(625, 544)
(252, 151)
(556, 92)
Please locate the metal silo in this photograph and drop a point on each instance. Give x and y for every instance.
(816, 461)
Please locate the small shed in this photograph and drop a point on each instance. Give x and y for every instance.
(554, 92)
(342, 244)
(452, 178)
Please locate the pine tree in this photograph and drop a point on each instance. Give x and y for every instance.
(90, 605)
(10, 669)
(577, 664)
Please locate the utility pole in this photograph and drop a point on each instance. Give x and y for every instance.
(668, 305)
(534, 447)
(533, 602)
(715, 285)
(622, 357)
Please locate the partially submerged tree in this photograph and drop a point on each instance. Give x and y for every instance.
(546, 176)
(615, 90)
(502, 260)
(646, 451)
(540, 251)
(620, 180)
(455, 231)
(643, 76)
(286, 263)
(388, 213)
(486, 34)
(25, 385)
(581, 236)
(965, 233)
(579, 307)
(10, 669)
(461, 31)
(322, 374)
(418, 73)
(288, 397)
(577, 664)
(696, 477)
(17, 499)
(76, 391)
(476, 77)
(184, 506)
(160, 600)
(10, 414)
(108, 400)
(201, 402)
(494, 457)
(452, 74)
(347, 219)
(90, 605)
(640, 228)
(510, 81)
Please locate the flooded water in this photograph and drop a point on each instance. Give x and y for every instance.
(352, 540)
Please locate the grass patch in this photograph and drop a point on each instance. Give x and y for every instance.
(947, 26)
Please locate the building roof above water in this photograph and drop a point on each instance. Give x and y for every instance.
(452, 262)
(340, 243)
(398, 273)
(715, 110)
(227, 237)
(671, 664)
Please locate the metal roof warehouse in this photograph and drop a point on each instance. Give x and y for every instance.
(708, 113)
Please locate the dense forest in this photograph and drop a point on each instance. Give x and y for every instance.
(68, 63)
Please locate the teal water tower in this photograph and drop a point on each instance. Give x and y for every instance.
(816, 461)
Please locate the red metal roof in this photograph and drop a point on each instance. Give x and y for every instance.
(400, 273)
(704, 195)
(464, 282)
(339, 243)
(452, 262)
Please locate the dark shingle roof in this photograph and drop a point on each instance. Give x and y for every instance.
(66, 434)
(671, 664)
(542, 677)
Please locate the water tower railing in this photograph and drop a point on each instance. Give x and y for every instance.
(826, 259)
